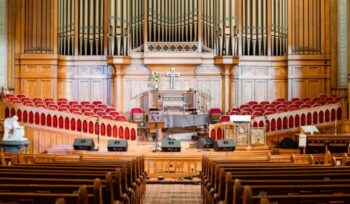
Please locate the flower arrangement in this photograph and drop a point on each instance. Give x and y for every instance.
(155, 79)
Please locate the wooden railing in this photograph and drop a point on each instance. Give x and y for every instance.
(279, 123)
(87, 125)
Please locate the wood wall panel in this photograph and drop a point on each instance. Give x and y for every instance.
(309, 76)
(84, 78)
(260, 79)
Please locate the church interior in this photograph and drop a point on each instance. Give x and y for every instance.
(174, 101)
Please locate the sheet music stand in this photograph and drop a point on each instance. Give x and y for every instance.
(156, 126)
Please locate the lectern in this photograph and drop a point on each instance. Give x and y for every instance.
(156, 126)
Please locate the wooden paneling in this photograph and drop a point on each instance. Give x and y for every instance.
(260, 78)
(84, 78)
(308, 76)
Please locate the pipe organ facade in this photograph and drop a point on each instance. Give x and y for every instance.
(247, 49)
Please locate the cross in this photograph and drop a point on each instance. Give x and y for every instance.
(172, 74)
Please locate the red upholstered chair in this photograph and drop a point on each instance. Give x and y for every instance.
(121, 118)
(219, 134)
(236, 110)
(275, 103)
(269, 106)
(257, 113)
(87, 113)
(78, 106)
(264, 103)
(251, 103)
(244, 106)
(269, 112)
(62, 100)
(98, 110)
(63, 109)
(28, 99)
(113, 113)
(225, 118)
(295, 99)
(91, 106)
(214, 114)
(62, 103)
(53, 107)
(37, 100)
(77, 113)
(29, 104)
(84, 103)
(257, 106)
(64, 106)
(280, 100)
(287, 103)
(281, 106)
(20, 96)
(104, 106)
(107, 117)
(86, 110)
(49, 100)
(71, 103)
(101, 113)
(246, 110)
(40, 106)
(293, 108)
(49, 103)
(323, 96)
(110, 109)
(96, 103)
(246, 113)
(74, 110)
(305, 99)
(305, 106)
(137, 115)
(281, 110)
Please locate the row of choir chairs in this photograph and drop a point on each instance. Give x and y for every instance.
(281, 105)
(254, 178)
(78, 179)
(87, 108)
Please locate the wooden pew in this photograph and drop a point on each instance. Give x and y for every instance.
(81, 197)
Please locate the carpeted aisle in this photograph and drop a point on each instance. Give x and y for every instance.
(173, 194)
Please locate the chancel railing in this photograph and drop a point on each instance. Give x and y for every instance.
(72, 122)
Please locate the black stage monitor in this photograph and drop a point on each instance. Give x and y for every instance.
(224, 145)
(84, 144)
(171, 145)
(117, 145)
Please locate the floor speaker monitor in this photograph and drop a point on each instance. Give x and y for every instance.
(84, 144)
(117, 145)
(224, 145)
(171, 146)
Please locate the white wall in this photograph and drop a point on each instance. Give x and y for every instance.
(3, 42)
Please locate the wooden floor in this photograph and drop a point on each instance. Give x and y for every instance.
(172, 194)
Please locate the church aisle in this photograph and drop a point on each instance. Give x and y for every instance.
(173, 194)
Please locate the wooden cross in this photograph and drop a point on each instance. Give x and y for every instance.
(172, 74)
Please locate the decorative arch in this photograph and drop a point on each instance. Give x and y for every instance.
(127, 133)
(213, 134)
(219, 134)
(273, 125)
(261, 123)
(19, 114)
(79, 125)
(321, 117)
(31, 117)
(91, 127)
(97, 128)
(309, 119)
(267, 125)
(103, 129)
(13, 112)
(25, 116)
(85, 126)
(133, 134)
(109, 130)
(315, 118)
(66, 123)
(333, 114)
(60, 122)
(37, 119)
(327, 116)
(303, 119)
(49, 120)
(297, 121)
(291, 122)
(121, 133)
(279, 123)
(43, 119)
(72, 124)
(339, 113)
(115, 131)
(54, 121)
(285, 123)
(255, 124)
(7, 112)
